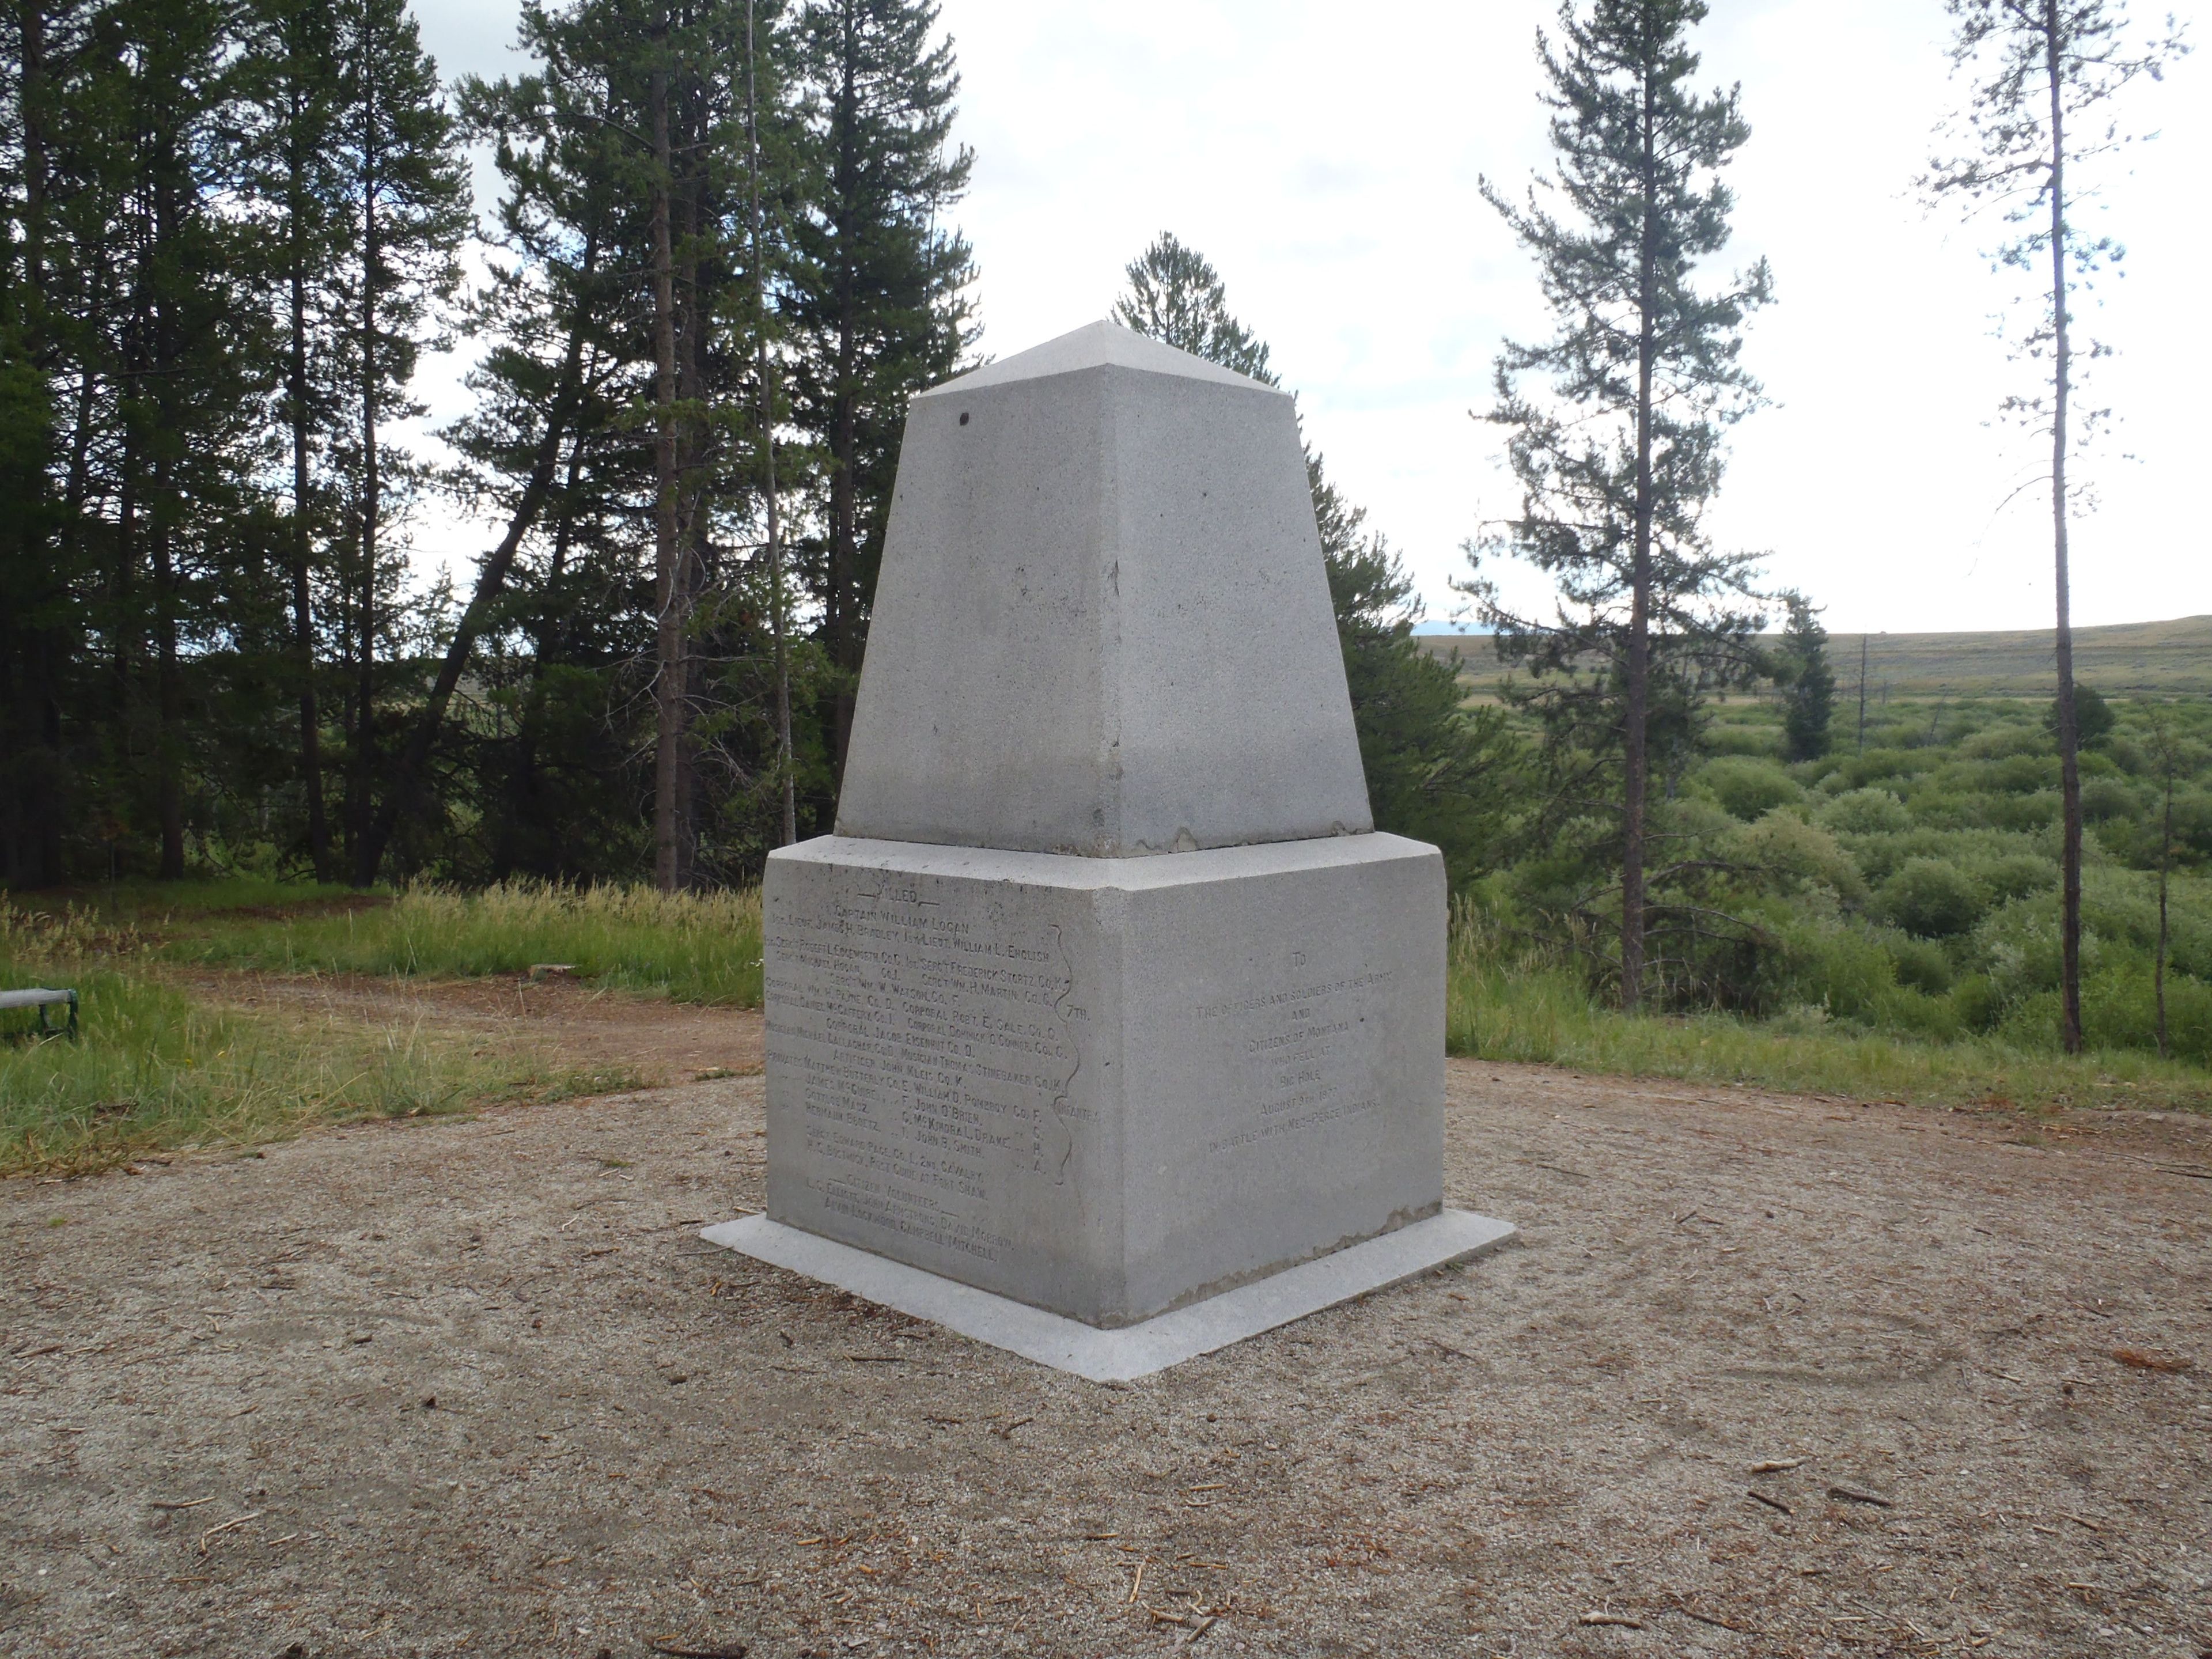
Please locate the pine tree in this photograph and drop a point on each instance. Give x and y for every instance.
(293, 87)
(34, 601)
(1808, 684)
(404, 181)
(876, 298)
(184, 352)
(1175, 296)
(228, 229)
(2043, 72)
(1619, 450)
(597, 215)
(1435, 768)
(765, 391)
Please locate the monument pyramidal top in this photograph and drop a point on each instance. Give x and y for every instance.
(1101, 344)
(1103, 625)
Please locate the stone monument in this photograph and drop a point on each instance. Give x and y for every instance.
(1106, 1028)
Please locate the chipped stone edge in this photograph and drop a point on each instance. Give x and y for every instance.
(1067, 1345)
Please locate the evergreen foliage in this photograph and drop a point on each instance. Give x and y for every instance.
(1617, 448)
(1437, 770)
(2094, 719)
(875, 297)
(232, 232)
(1808, 684)
(2043, 72)
(1175, 296)
(403, 183)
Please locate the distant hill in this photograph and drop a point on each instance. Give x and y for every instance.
(2120, 660)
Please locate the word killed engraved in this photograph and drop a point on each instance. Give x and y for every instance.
(936, 1047)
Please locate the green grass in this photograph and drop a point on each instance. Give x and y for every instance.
(691, 947)
(2162, 658)
(140, 904)
(157, 1068)
(1508, 1005)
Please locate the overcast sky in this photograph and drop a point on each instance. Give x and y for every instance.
(1326, 160)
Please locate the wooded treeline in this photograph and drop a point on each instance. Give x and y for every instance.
(718, 257)
(719, 260)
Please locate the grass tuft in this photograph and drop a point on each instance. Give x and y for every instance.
(692, 947)
(156, 1068)
(1505, 1002)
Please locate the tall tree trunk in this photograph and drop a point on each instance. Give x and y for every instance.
(169, 794)
(2165, 872)
(2069, 760)
(169, 759)
(123, 641)
(367, 855)
(693, 524)
(491, 581)
(1635, 736)
(844, 619)
(303, 620)
(35, 854)
(789, 779)
(668, 660)
(31, 102)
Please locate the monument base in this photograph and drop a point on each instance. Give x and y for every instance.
(1107, 1087)
(1133, 1350)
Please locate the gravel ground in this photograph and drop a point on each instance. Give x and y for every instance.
(1765, 1375)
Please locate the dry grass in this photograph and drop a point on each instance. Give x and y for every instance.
(693, 947)
(157, 1068)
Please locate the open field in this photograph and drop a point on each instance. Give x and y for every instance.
(2169, 658)
(475, 1387)
(224, 1015)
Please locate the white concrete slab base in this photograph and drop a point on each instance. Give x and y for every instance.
(1166, 1340)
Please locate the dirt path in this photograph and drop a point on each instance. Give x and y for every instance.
(663, 1042)
(217, 1434)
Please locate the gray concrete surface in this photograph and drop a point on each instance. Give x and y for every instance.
(1102, 624)
(1066, 1345)
(1104, 1087)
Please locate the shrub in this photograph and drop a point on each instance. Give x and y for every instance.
(1920, 964)
(1916, 1014)
(2008, 739)
(2192, 824)
(2009, 775)
(2018, 874)
(1839, 966)
(1748, 789)
(1754, 740)
(2094, 719)
(2033, 811)
(2104, 799)
(1976, 1001)
(1791, 852)
(2119, 1010)
(1689, 816)
(1864, 812)
(1931, 899)
(1879, 763)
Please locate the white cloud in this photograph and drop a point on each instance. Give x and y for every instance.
(1325, 158)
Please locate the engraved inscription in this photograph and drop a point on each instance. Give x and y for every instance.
(933, 1042)
(1301, 1049)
